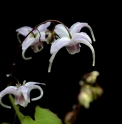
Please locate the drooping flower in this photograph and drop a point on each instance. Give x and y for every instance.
(71, 40)
(21, 93)
(34, 39)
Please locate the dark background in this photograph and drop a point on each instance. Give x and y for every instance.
(62, 87)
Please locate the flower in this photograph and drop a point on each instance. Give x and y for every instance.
(50, 36)
(34, 39)
(71, 40)
(85, 97)
(92, 77)
(21, 93)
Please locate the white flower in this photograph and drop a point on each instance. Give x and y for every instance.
(71, 40)
(34, 39)
(21, 93)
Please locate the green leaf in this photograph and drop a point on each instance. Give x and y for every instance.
(45, 116)
(42, 116)
(16, 108)
(28, 120)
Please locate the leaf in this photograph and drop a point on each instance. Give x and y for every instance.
(45, 116)
(28, 120)
(16, 108)
(42, 116)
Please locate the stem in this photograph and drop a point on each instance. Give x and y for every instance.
(76, 112)
(11, 71)
(14, 59)
(45, 22)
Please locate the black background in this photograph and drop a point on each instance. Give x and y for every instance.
(62, 87)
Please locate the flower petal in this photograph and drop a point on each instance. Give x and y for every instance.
(23, 55)
(61, 31)
(42, 36)
(18, 37)
(37, 46)
(24, 30)
(35, 87)
(33, 83)
(27, 42)
(51, 61)
(9, 90)
(55, 47)
(75, 28)
(59, 43)
(22, 100)
(85, 36)
(78, 39)
(72, 49)
(91, 31)
(25, 100)
(43, 27)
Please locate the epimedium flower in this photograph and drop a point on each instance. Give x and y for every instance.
(91, 77)
(88, 94)
(50, 36)
(71, 39)
(34, 39)
(21, 93)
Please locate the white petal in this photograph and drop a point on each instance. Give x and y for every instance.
(59, 43)
(51, 61)
(24, 90)
(35, 87)
(61, 31)
(23, 55)
(83, 35)
(8, 90)
(33, 83)
(75, 28)
(78, 39)
(55, 47)
(92, 34)
(27, 42)
(22, 100)
(18, 37)
(91, 31)
(42, 36)
(43, 27)
(24, 30)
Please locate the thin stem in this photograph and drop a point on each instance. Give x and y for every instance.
(54, 21)
(45, 22)
(76, 112)
(11, 71)
(14, 59)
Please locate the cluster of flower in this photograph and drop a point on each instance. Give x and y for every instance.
(89, 92)
(60, 36)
